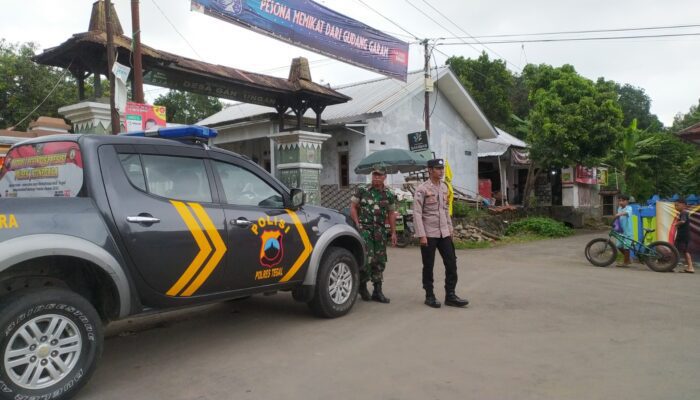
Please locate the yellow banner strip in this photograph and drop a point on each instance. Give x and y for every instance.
(202, 242)
(307, 247)
(219, 245)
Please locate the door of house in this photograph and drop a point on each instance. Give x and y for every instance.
(344, 169)
(608, 204)
(555, 178)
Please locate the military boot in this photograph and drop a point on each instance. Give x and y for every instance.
(363, 292)
(451, 299)
(431, 301)
(377, 295)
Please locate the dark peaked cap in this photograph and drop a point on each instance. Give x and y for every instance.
(436, 163)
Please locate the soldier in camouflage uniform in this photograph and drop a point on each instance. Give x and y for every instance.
(371, 207)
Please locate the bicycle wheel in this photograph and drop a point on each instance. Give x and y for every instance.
(663, 257)
(601, 252)
(403, 239)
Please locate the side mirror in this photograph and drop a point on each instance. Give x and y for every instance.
(298, 197)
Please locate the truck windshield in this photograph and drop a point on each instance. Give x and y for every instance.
(50, 169)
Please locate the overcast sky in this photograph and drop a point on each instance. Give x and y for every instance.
(667, 68)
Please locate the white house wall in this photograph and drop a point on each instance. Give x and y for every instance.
(450, 136)
(356, 148)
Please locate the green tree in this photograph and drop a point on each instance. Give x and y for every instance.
(24, 85)
(519, 97)
(188, 108)
(573, 121)
(628, 155)
(636, 104)
(489, 82)
(682, 121)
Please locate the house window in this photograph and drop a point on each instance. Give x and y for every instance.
(344, 169)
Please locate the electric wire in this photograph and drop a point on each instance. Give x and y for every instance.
(60, 79)
(438, 23)
(388, 19)
(585, 31)
(437, 91)
(580, 39)
(468, 34)
(176, 30)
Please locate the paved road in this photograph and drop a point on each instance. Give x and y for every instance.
(543, 324)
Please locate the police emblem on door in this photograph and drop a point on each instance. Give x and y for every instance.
(271, 248)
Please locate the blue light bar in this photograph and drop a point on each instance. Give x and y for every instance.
(178, 132)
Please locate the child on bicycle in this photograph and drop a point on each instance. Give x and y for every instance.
(683, 234)
(624, 215)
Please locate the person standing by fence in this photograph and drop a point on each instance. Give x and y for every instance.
(682, 240)
(624, 219)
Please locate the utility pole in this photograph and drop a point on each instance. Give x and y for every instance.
(110, 64)
(137, 82)
(426, 109)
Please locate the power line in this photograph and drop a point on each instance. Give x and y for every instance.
(387, 18)
(588, 31)
(468, 34)
(579, 39)
(437, 23)
(176, 30)
(60, 78)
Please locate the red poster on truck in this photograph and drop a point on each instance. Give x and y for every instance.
(50, 169)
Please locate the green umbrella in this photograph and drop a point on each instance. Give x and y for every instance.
(393, 160)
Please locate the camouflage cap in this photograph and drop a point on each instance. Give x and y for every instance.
(379, 169)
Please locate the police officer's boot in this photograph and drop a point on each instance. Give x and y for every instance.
(363, 292)
(451, 299)
(431, 301)
(377, 295)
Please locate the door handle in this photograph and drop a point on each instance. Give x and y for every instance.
(142, 219)
(242, 222)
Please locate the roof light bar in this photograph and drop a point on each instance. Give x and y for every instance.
(178, 132)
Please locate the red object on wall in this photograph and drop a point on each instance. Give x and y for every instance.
(485, 188)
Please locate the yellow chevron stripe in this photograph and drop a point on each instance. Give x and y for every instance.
(307, 247)
(202, 242)
(219, 245)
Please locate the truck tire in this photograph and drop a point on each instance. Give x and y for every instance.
(336, 284)
(50, 342)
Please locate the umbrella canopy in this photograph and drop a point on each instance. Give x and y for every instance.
(393, 160)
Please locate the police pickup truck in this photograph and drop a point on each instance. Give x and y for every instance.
(97, 228)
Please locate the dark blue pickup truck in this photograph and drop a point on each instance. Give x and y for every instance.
(97, 228)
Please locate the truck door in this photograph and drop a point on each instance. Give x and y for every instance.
(165, 207)
(268, 244)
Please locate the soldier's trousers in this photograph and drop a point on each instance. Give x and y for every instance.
(447, 251)
(373, 270)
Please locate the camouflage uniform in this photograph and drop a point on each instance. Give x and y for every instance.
(374, 208)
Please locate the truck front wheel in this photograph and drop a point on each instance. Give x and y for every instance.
(50, 341)
(336, 284)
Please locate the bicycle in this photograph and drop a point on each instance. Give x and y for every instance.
(659, 256)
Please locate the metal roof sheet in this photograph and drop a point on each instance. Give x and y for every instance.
(499, 145)
(370, 99)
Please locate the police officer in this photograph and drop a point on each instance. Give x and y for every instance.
(370, 208)
(431, 218)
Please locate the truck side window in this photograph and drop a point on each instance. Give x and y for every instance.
(132, 166)
(244, 188)
(178, 178)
